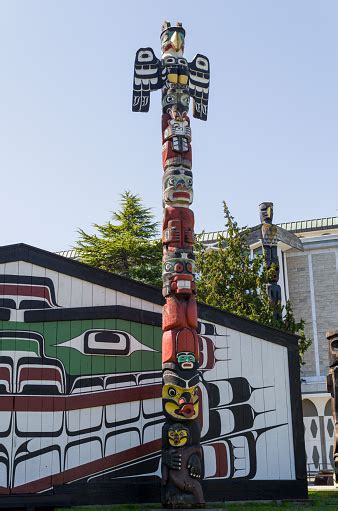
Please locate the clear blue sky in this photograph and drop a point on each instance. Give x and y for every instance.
(69, 143)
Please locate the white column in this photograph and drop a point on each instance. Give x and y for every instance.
(286, 280)
(314, 316)
(281, 274)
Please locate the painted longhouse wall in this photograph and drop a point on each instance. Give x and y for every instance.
(80, 391)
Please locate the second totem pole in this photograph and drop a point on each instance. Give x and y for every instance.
(182, 456)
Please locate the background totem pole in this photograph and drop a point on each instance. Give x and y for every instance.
(268, 235)
(182, 460)
(270, 243)
(332, 387)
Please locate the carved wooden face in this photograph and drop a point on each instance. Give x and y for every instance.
(179, 402)
(186, 360)
(266, 212)
(177, 187)
(178, 272)
(175, 103)
(178, 435)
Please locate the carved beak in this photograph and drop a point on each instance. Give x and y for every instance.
(176, 41)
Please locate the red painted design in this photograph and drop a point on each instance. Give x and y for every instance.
(5, 374)
(31, 403)
(178, 340)
(87, 469)
(178, 228)
(222, 459)
(22, 290)
(168, 154)
(207, 352)
(39, 374)
(179, 313)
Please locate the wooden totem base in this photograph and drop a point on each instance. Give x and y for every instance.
(171, 499)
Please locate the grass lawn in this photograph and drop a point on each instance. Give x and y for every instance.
(318, 501)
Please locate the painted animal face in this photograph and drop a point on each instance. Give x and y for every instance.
(178, 272)
(178, 435)
(172, 41)
(266, 212)
(177, 187)
(179, 402)
(175, 103)
(186, 360)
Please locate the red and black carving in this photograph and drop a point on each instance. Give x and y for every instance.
(178, 228)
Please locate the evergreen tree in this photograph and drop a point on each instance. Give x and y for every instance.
(127, 245)
(229, 279)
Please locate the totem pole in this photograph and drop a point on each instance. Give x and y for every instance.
(269, 243)
(269, 234)
(182, 457)
(332, 387)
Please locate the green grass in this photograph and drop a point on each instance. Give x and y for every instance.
(325, 500)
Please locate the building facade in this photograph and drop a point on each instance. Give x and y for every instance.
(312, 287)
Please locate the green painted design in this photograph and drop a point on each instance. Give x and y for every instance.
(13, 345)
(77, 363)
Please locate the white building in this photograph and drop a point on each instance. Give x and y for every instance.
(311, 283)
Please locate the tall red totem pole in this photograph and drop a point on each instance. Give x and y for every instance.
(182, 457)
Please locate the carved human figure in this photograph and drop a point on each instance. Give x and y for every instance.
(182, 465)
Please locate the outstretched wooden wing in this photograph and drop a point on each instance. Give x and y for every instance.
(254, 234)
(289, 238)
(147, 77)
(199, 78)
